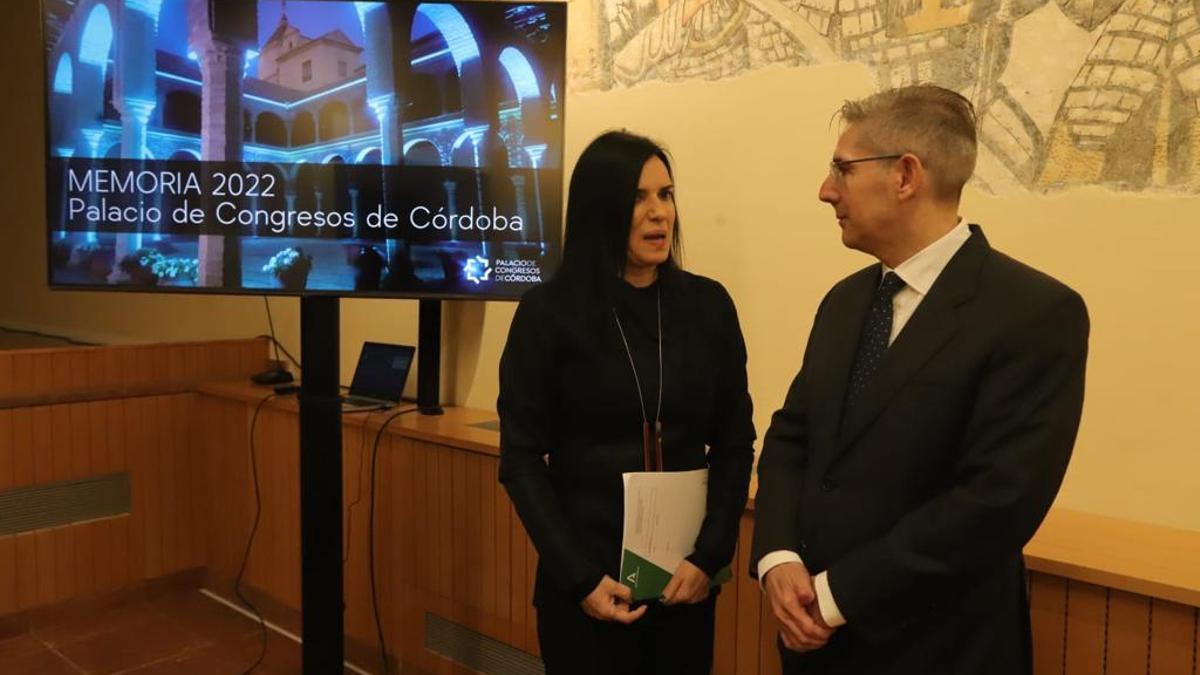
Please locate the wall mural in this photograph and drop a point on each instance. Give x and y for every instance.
(1124, 109)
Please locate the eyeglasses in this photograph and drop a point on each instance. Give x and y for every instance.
(837, 167)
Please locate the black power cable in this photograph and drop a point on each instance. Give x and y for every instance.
(371, 537)
(237, 584)
(275, 341)
(271, 325)
(362, 461)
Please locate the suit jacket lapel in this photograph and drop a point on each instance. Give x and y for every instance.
(836, 346)
(927, 331)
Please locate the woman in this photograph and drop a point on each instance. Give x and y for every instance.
(620, 341)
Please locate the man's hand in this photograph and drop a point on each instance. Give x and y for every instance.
(689, 585)
(609, 601)
(793, 601)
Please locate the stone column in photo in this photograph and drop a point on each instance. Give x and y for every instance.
(135, 119)
(382, 88)
(222, 63)
(135, 96)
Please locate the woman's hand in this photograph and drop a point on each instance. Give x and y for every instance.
(688, 586)
(609, 601)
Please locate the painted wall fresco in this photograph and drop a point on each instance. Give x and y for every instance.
(1069, 92)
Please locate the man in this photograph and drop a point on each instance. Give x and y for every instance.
(930, 425)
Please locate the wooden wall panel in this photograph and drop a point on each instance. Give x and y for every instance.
(9, 602)
(97, 437)
(502, 526)
(399, 561)
(85, 558)
(165, 465)
(725, 649)
(26, 581)
(1047, 614)
(134, 432)
(24, 469)
(6, 374)
(749, 605)
(102, 538)
(8, 548)
(472, 553)
(43, 372)
(1173, 640)
(22, 377)
(68, 414)
(64, 561)
(46, 568)
(81, 441)
(443, 493)
(1127, 641)
(43, 445)
(57, 428)
(459, 551)
(8, 458)
(60, 370)
(122, 570)
(1086, 616)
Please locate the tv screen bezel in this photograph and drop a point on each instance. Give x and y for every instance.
(282, 292)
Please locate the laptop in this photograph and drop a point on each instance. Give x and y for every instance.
(379, 377)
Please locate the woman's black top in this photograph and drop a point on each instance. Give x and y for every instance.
(571, 420)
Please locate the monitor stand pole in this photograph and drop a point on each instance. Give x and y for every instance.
(429, 357)
(321, 573)
(322, 622)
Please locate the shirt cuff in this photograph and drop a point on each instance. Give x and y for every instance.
(829, 609)
(774, 559)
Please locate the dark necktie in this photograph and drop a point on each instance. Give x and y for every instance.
(874, 340)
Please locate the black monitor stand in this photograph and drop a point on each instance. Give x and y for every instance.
(321, 573)
(429, 357)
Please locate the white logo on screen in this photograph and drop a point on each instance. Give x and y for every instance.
(477, 269)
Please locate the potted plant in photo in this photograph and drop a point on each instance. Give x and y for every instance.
(176, 270)
(148, 267)
(290, 267)
(139, 267)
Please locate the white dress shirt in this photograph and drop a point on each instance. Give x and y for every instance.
(918, 273)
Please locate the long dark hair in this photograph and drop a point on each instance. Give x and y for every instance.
(600, 211)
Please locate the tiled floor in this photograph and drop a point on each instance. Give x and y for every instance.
(182, 632)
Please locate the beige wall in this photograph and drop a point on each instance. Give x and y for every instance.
(750, 152)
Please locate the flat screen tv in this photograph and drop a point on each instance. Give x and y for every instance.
(402, 149)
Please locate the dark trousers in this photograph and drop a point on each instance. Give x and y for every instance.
(675, 640)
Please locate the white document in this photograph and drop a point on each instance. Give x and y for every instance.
(663, 514)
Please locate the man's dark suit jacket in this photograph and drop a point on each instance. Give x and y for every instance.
(919, 499)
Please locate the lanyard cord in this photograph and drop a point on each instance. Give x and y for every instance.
(629, 353)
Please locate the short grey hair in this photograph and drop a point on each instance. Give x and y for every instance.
(933, 123)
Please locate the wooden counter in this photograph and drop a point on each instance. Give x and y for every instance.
(1150, 560)
(1106, 594)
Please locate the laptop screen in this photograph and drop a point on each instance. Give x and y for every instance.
(381, 371)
